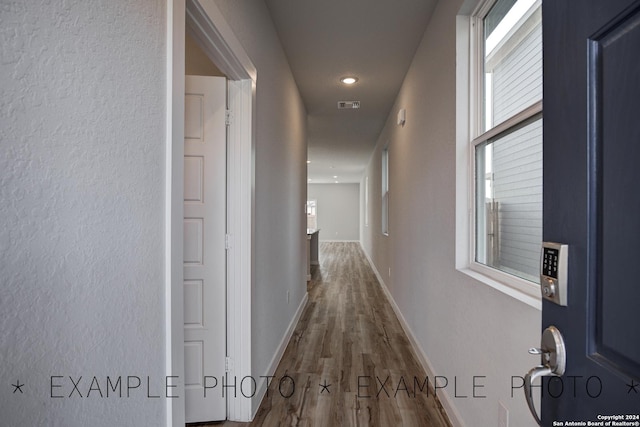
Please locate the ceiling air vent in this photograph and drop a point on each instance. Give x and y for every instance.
(348, 105)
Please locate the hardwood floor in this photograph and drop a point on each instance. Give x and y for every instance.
(349, 363)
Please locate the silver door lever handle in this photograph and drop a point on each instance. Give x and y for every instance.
(544, 354)
(553, 360)
(538, 371)
(537, 351)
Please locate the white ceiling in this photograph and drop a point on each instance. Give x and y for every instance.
(324, 40)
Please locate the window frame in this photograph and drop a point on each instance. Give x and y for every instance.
(469, 134)
(385, 190)
(366, 201)
(312, 210)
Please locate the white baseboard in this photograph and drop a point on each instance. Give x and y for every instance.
(277, 357)
(443, 396)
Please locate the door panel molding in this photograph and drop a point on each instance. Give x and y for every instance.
(610, 61)
(205, 254)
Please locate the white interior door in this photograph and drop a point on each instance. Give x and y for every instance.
(204, 247)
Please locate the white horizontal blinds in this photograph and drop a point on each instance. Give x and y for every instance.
(509, 166)
(517, 189)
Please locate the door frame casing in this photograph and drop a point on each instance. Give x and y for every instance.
(207, 24)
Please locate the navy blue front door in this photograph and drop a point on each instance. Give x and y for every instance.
(592, 203)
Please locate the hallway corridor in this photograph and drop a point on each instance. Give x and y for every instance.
(349, 363)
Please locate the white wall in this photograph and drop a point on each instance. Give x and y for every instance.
(82, 187)
(281, 190)
(338, 210)
(196, 62)
(464, 327)
(82, 173)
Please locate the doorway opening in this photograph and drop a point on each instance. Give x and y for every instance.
(312, 214)
(209, 30)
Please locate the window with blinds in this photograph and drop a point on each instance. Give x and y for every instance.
(508, 151)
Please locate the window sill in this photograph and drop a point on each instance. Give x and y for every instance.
(520, 289)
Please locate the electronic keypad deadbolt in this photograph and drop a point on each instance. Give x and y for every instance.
(553, 272)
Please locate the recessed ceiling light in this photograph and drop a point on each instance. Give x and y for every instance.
(335, 176)
(308, 161)
(349, 80)
(337, 182)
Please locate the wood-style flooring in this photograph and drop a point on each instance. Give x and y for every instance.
(349, 363)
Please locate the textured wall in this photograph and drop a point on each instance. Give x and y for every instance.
(81, 209)
(464, 327)
(338, 210)
(281, 181)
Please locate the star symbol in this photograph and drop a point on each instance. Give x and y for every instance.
(325, 386)
(17, 387)
(633, 386)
